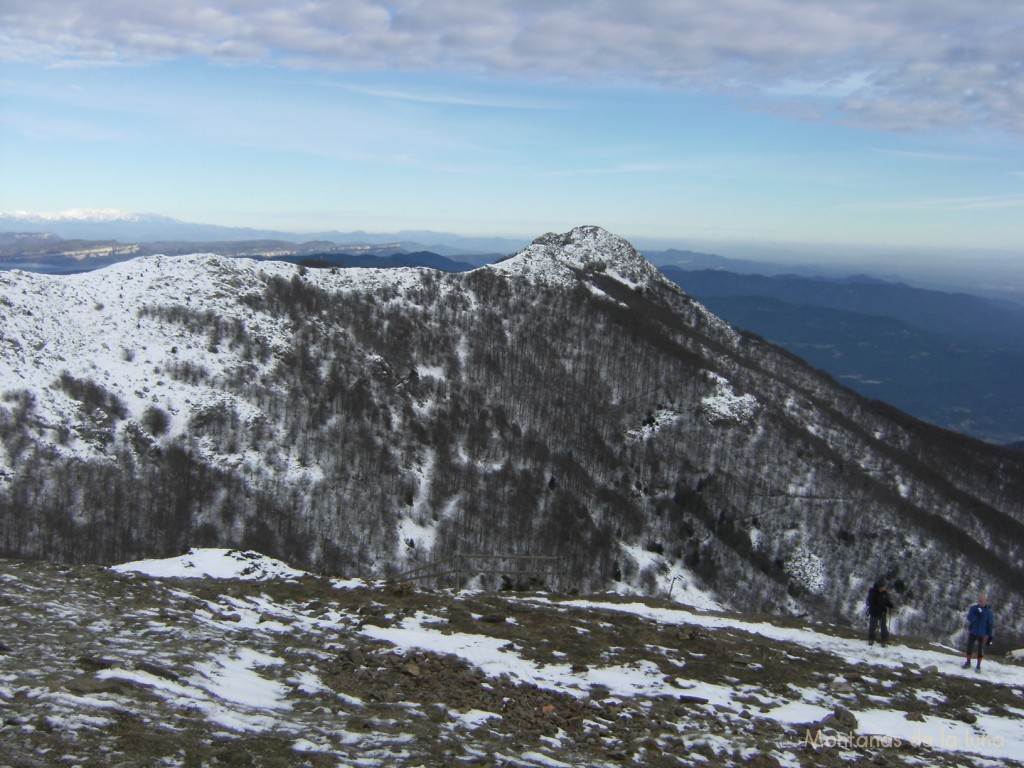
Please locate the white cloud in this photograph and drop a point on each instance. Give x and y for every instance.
(912, 65)
(945, 204)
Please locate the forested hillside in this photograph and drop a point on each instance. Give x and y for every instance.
(568, 401)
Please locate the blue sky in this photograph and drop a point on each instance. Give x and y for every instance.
(878, 125)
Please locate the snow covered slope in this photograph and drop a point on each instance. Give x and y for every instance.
(214, 564)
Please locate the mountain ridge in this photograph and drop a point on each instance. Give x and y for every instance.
(111, 224)
(569, 402)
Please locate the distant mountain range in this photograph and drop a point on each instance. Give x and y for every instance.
(153, 228)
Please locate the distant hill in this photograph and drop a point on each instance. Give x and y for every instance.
(957, 314)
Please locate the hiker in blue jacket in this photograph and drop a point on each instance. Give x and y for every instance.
(981, 626)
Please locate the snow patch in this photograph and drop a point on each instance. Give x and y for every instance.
(806, 569)
(654, 423)
(214, 564)
(725, 406)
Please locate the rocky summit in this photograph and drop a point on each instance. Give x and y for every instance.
(230, 658)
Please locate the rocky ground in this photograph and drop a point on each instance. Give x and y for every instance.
(99, 668)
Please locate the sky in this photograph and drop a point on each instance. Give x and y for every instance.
(861, 124)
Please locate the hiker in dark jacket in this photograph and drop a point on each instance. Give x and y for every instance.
(879, 605)
(981, 626)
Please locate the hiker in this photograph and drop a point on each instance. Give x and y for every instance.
(879, 605)
(981, 625)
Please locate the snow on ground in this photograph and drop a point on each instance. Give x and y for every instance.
(105, 327)
(255, 664)
(651, 426)
(673, 580)
(993, 736)
(998, 737)
(725, 405)
(215, 564)
(807, 570)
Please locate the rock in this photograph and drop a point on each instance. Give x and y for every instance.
(87, 684)
(5, 648)
(967, 717)
(599, 692)
(494, 617)
(915, 717)
(400, 589)
(691, 699)
(412, 669)
(930, 670)
(841, 719)
(92, 662)
(157, 671)
(437, 713)
(1016, 656)
(357, 657)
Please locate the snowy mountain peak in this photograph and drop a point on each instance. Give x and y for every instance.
(560, 257)
(82, 215)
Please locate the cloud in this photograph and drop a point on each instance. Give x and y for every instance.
(945, 204)
(943, 157)
(907, 66)
(446, 99)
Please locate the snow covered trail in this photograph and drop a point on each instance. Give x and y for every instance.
(894, 655)
(992, 736)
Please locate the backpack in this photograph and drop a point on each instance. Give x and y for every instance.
(869, 601)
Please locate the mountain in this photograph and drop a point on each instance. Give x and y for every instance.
(233, 658)
(952, 359)
(129, 227)
(959, 315)
(569, 402)
(690, 261)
